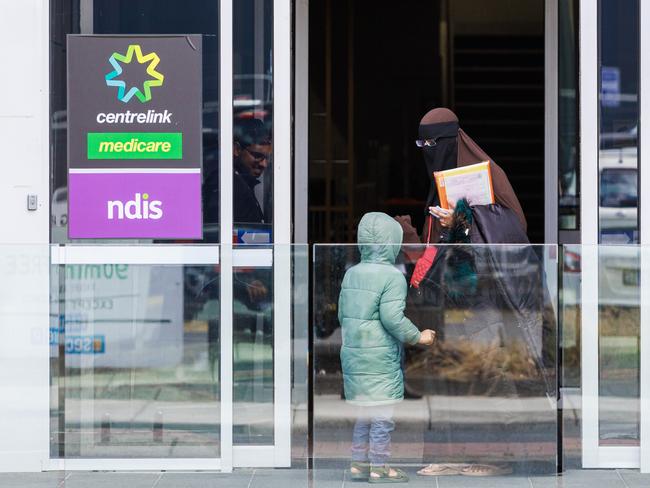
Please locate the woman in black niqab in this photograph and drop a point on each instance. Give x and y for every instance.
(440, 152)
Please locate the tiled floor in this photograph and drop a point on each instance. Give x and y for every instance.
(299, 478)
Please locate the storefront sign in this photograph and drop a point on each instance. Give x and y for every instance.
(134, 137)
(118, 316)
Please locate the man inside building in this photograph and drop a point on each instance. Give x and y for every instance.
(251, 152)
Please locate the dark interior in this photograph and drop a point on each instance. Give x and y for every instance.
(376, 68)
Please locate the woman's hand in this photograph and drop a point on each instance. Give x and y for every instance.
(405, 222)
(409, 232)
(443, 215)
(427, 337)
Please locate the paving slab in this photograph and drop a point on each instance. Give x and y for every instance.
(483, 482)
(236, 479)
(580, 478)
(280, 478)
(33, 480)
(328, 477)
(634, 479)
(103, 479)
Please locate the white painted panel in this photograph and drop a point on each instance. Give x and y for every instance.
(226, 204)
(593, 454)
(253, 456)
(23, 57)
(259, 258)
(24, 357)
(166, 464)
(23, 151)
(135, 254)
(644, 142)
(282, 138)
(24, 269)
(589, 228)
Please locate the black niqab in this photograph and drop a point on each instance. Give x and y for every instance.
(442, 156)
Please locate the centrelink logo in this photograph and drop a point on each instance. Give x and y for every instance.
(140, 208)
(123, 94)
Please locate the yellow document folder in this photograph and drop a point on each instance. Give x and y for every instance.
(473, 183)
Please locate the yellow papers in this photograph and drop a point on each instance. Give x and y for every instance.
(472, 182)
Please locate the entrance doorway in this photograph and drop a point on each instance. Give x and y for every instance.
(375, 72)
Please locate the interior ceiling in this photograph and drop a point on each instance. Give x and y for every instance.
(497, 17)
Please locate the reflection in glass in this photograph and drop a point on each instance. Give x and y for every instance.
(570, 347)
(253, 121)
(568, 170)
(619, 294)
(137, 354)
(253, 356)
(619, 120)
(485, 393)
(619, 328)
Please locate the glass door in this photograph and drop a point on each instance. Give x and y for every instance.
(256, 195)
(177, 355)
(613, 232)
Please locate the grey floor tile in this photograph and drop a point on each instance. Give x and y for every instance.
(236, 479)
(548, 482)
(486, 482)
(110, 480)
(414, 480)
(280, 478)
(582, 478)
(32, 480)
(634, 479)
(327, 477)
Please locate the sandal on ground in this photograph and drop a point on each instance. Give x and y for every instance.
(382, 474)
(486, 470)
(359, 471)
(442, 469)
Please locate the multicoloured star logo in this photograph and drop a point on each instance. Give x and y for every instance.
(143, 95)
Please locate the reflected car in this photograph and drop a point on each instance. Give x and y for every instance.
(618, 213)
(618, 276)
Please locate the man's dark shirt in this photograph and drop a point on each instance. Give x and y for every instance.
(246, 208)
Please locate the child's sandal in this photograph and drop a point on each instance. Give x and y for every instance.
(359, 471)
(382, 475)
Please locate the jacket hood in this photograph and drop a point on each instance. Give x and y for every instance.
(379, 238)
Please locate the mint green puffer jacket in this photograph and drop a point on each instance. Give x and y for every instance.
(371, 314)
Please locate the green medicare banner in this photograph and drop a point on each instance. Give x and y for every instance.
(135, 145)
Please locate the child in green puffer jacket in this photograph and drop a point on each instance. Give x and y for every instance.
(371, 314)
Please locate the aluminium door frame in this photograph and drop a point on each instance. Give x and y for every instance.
(644, 181)
(593, 454)
(279, 454)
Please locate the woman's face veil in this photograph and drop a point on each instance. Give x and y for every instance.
(438, 135)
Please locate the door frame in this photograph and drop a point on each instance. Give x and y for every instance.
(593, 454)
(644, 181)
(228, 257)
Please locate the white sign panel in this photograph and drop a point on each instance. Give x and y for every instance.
(118, 315)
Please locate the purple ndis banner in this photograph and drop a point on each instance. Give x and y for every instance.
(140, 205)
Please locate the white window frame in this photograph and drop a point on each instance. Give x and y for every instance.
(279, 454)
(593, 454)
(644, 181)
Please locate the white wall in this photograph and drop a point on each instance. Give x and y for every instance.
(24, 257)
